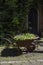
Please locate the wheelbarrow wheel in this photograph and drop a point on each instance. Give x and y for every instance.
(31, 48)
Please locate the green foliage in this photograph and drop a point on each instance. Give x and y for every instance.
(15, 21)
(25, 36)
(13, 15)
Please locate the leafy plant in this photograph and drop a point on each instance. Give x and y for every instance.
(24, 36)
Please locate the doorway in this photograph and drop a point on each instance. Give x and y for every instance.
(33, 21)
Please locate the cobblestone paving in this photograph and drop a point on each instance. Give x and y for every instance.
(34, 58)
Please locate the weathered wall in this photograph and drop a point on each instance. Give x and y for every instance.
(41, 18)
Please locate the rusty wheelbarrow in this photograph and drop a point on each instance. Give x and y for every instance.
(28, 43)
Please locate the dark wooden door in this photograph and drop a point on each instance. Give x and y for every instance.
(33, 21)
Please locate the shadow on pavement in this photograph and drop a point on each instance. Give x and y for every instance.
(37, 52)
(10, 52)
(14, 52)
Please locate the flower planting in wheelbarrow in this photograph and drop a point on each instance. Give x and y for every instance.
(26, 40)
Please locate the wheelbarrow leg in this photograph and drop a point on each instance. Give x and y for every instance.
(31, 48)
